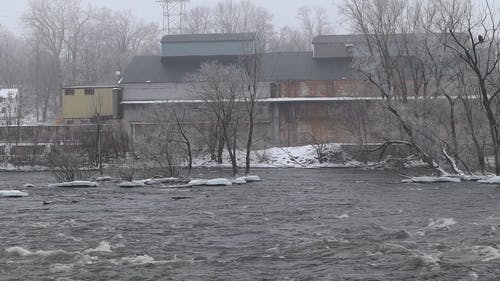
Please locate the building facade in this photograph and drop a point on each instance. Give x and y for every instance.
(82, 104)
(301, 94)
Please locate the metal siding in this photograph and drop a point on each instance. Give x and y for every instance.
(81, 106)
(172, 49)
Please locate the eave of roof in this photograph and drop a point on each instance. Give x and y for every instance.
(211, 37)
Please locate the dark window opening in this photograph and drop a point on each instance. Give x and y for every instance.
(89, 92)
(69, 92)
(274, 90)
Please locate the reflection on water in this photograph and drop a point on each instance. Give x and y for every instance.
(324, 224)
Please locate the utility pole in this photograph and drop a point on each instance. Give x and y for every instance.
(174, 15)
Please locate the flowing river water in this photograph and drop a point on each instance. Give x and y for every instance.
(298, 224)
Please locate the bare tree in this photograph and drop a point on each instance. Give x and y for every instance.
(251, 66)
(220, 86)
(314, 21)
(199, 20)
(480, 53)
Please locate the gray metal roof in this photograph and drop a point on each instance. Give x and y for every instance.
(275, 67)
(341, 38)
(182, 38)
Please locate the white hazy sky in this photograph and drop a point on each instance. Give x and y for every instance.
(284, 11)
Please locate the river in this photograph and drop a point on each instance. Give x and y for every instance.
(297, 224)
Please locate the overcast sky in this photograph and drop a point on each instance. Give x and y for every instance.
(284, 11)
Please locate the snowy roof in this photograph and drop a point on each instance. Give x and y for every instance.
(5, 93)
(297, 66)
(213, 37)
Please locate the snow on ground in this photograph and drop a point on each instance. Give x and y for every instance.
(12, 193)
(6, 167)
(431, 180)
(279, 157)
(75, 184)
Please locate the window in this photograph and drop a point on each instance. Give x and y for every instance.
(89, 92)
(4, 110)
(69, 92)
(274, 90)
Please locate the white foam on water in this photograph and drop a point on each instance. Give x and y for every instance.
(442, 223)
(431, 259)
(19, 251)
(473, 276)
(60, 268)
(209, 213)
(487, 253)
(66, 237)
(104, 246)
(138, 260)
(343, 216)
(53, 256)
(118, 236)
(40, 224)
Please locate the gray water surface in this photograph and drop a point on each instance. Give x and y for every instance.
(326, 224)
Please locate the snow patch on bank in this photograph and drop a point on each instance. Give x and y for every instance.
(281, 157)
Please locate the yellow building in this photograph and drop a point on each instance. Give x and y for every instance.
(82, 104)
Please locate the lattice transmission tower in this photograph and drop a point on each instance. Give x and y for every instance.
(174, 15)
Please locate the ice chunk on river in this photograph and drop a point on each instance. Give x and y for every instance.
(157, 181)
(197, 182)
(212, 182)
(219, 182)
(240, 180)
(12, 193)
(431, 180)
(490, 180)
(132, 184)
(252, 178)
(75, 184)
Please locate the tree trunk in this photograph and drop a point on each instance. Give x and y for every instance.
(477, 145)
(99, 147)
(249, 140)
(231, 151)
